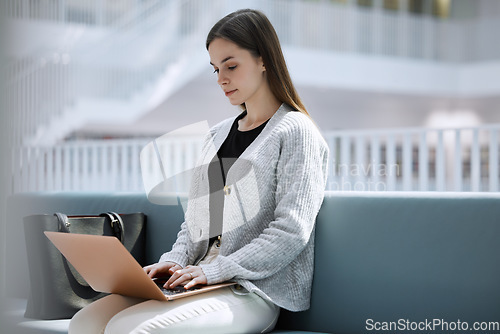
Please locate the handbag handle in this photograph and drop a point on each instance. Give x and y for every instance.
(116, 223)
(63, 221)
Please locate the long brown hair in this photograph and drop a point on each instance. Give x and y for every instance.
(251, 30)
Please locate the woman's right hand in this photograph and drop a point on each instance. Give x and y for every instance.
(161, 269)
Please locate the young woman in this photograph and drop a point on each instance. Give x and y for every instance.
(265, 173)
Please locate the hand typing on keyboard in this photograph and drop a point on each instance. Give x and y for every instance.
(187, 277)
(172, 291)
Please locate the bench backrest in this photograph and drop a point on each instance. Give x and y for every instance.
(410, 256)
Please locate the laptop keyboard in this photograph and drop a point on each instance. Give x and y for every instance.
(175, 291)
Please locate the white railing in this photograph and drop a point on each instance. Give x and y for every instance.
(416, 159)
(77, 166)
(348, 28)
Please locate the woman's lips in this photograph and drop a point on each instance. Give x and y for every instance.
(229, 93)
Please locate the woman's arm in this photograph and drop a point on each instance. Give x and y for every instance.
(301, 180)
(179, 252)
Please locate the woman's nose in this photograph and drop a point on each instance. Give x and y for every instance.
(222, 79)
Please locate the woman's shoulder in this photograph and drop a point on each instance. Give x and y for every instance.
(296, 123)
(297, 119)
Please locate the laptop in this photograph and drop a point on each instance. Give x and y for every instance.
(108, 267)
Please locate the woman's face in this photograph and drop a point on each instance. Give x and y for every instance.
(240, 74)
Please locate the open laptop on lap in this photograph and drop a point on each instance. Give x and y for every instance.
(108, 267)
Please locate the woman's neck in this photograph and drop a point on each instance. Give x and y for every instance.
(258, 111)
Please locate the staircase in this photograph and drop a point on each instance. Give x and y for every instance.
(100, 68)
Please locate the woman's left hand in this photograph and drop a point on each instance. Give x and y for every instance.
(190, 276)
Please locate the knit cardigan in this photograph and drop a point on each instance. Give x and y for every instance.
(276, 188)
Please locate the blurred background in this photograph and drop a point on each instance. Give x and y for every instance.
(406, 92)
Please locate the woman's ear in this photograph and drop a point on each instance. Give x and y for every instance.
(261, 62)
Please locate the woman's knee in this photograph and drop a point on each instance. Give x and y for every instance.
(94, 317)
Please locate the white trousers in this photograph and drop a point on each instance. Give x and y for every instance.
(220, 311)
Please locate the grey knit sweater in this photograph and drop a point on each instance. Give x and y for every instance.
(276, 188)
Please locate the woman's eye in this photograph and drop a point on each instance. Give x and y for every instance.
(216, 70)
(232, 67)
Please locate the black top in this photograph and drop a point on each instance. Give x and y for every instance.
(235, 144)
